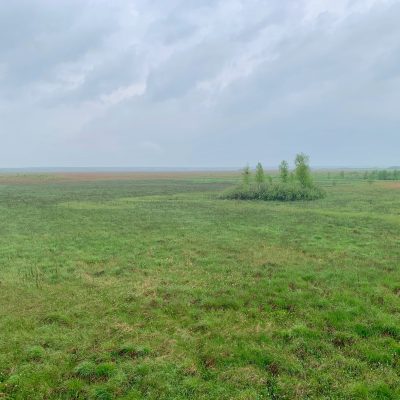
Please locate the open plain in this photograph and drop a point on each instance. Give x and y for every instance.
(148, 286)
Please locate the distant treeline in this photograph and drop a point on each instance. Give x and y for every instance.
(382, 175)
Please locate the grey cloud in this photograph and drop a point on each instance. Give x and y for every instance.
(182, 71)
(200, 84)
(37, 38)
(170, 29)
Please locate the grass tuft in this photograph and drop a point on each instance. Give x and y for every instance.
(101, 393)
(35, 353)
(86, 370)
(131, 351)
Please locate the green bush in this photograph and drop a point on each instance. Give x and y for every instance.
(294, 185)
(274, 192)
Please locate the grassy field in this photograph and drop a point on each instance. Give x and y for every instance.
(139, 286)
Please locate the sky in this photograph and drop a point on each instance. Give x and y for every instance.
(184, 83)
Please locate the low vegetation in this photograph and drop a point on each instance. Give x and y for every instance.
(153, 288)
(291, 186)
(274, 192)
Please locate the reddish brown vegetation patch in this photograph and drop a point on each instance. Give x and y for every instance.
(391, 185)
(59, 177)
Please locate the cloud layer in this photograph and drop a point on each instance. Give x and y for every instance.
(188, 83)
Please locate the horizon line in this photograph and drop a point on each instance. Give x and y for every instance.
(173, 169)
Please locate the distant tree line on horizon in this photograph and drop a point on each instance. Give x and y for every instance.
(382, 175)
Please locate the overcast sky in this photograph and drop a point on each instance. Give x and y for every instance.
(199, 83)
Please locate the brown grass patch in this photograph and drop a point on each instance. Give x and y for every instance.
(391, 185)
(60, 177)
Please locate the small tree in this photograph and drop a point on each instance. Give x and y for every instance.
(302, 170)
(246, 175)
(260, 175)
(284, 171)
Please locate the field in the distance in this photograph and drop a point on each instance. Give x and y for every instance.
(141, 286)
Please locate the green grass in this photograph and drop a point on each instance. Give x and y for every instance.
(157, 289)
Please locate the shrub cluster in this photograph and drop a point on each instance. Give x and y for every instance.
(295, 185)
(275, 191)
